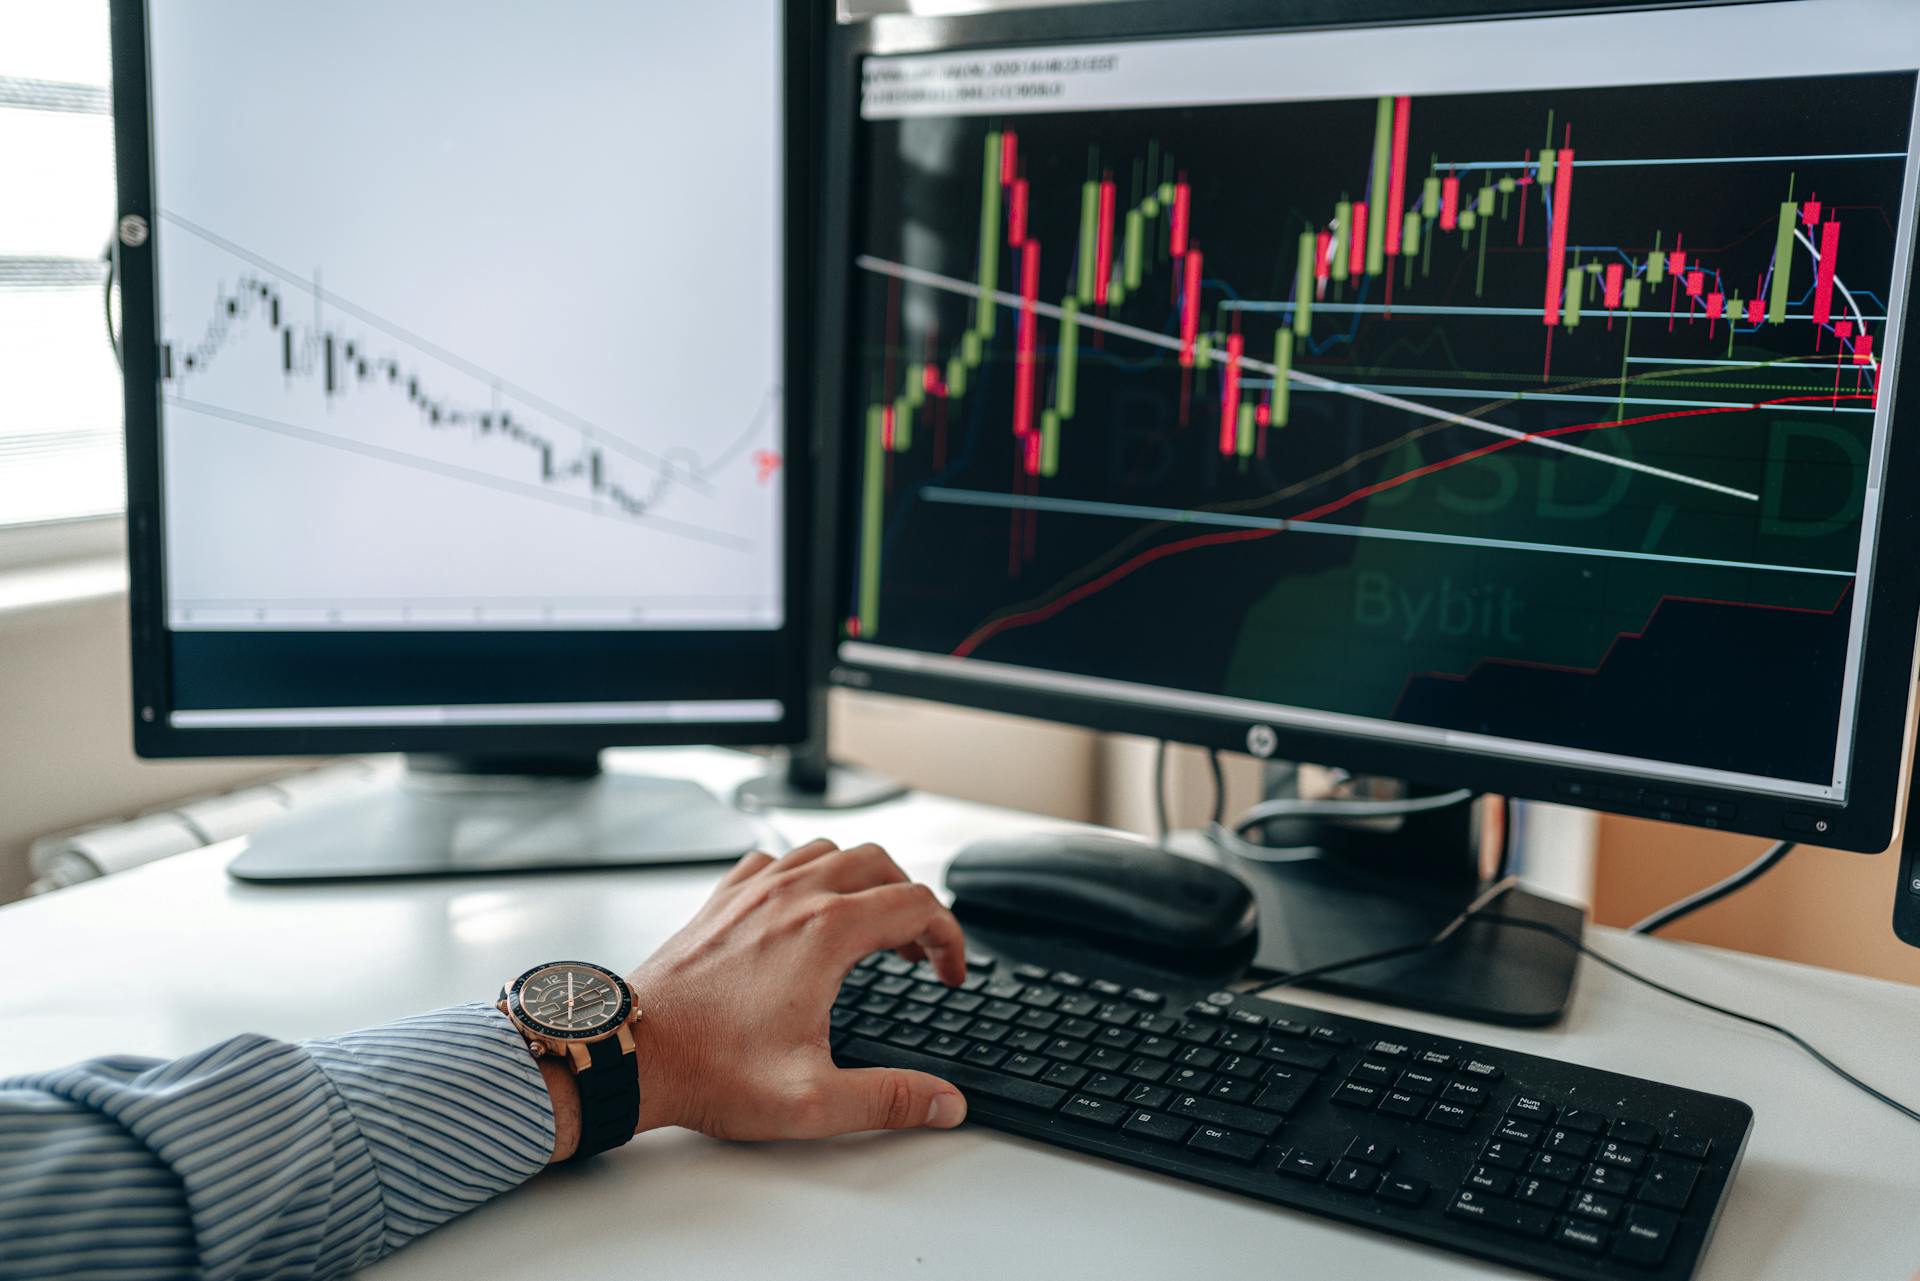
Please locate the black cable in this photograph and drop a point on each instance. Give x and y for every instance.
(1160, 789)
(1692, 903)
(1554, 931)
(1507, 816)
(1476, 910)
(1219, 788)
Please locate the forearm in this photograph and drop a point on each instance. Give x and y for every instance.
(257, 1157)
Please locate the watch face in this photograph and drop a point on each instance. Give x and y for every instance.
(571, 1000)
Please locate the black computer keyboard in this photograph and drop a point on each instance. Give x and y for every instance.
(1553, 1168)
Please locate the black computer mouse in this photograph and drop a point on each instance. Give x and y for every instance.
(1110, 888)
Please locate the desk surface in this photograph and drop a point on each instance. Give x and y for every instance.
(1830, 1187)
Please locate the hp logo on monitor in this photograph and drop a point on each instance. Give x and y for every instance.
(1261, 740)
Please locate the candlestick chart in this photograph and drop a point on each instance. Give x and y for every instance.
(1545, 414)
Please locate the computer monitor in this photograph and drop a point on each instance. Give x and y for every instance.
(1507, 404)
(460, 399)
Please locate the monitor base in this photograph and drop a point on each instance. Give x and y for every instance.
(443, 820)
(1318, 911)
(809, 781)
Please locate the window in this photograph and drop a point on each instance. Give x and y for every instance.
(60, 410)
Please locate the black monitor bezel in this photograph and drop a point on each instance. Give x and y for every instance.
(1868, 820)
(799, 659)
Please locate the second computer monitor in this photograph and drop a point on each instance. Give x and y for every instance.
(1509, 403)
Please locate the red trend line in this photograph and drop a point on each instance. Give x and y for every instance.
(987, 631)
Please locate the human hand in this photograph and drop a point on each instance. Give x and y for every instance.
(732, 1041)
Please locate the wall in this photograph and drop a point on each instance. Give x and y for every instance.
(1823, 907)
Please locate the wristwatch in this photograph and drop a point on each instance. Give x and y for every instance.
(584, 1015)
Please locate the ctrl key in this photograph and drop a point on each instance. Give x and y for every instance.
(1503, 1216)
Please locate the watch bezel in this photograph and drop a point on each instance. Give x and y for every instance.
(598, 1031)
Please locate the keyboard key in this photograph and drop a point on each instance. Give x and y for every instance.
(1524, 1132)
(1196, 1032)
(1646, 1236)
(971, 1081)
(1621, 1156)
(1239, 1040)
(978, 960)
(1103, 1112)
(839, 1018)
(1146, 1069)
(1373, 1073)
(1397, 1050)
(1026, 1038)
(964, 1002)
(1229, 1116)
(1402, 1188)
(1039, 996)
(1064, 1074)
(1501, 1215)
(1116, 1013)
(1202, 1010)
(986, 1056)
(1247, 1018)
(1400, 1103)
(1418, 1081)
(1190, 1079)
(892, 985)
(1551, 1165)
(1296, 1055)
(1450, 1116)
(1287, 1027)
(1077, 1005)
(1027, 1065)
(1580, 1237)
(1606, 1178)
(1372, 1151)
(1157, 1047)
(1329, 1036)
(1481, 1070)
(1669, 1182)
(1066, 1049)
(1570, 1142)
(989, 1030)
(1198, 1056)
(1529, 1108)
(1157, 1126)
(1105, 1085)
(1116, 1038)
(927, 993)
(914, 1014)
(1355, 1094)
(1106, 987)
(1232, 1091)
(1000, 1011)
(859, 978)
(895, 966)
(1241, 1066)
(1145, 996)
(1101, 1059)
(872, 1003)
(1596, 1207)
(1148, 1096)
(1078, 1029)
(1282, 1098)
(1226, 1143)
(1544, 1193)
(1302, 1165)
(1487, 1179)
(1434, 1059)
(1354, 1176)
(1506, 1154)
(947, 1046)
(1003, 989)
(1040, 1020)
(1157, 1024)
(1684, 1142)
(1466, 1093)
(908, 1035)
(1066, 978)
(1584, 1120)
(1638, 1133)
(1031, 973)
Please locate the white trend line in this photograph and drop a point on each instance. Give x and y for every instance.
(934, 280)
(1873, 362)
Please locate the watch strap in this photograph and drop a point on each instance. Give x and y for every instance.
(609, 1098)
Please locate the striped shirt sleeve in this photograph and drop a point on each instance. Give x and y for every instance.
(259, 1159)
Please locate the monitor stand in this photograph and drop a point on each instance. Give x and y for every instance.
(812, 781)
(463, 816)
(1343, 897)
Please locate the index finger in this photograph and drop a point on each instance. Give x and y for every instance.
(893, 916)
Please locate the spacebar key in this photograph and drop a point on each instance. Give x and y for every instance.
(970, 1079)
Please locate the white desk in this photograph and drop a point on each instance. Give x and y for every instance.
(1830, 1187)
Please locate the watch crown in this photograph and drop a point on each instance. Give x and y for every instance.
(538, 1047)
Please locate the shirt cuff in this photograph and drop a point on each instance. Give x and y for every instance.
(452, 1107)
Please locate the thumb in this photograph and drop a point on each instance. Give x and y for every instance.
(889, 1099)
